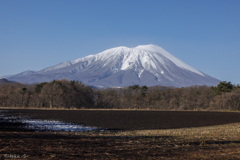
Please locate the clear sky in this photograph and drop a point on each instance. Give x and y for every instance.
(35, 34)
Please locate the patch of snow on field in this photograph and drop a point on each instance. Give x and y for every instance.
(45, 125)
(52, 125)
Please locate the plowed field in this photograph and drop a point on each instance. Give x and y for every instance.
(133, 120)
(139, 135)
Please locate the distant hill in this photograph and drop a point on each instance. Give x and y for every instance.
(3, 80)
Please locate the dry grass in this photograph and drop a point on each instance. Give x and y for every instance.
(212, 142)
(113, 109)
(220, 132)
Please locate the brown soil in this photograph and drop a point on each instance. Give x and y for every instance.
(218, 142)
(42, 145)
(133, 120)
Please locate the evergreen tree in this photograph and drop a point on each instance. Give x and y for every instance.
(144, 90)
(223, 87)
(39, 87)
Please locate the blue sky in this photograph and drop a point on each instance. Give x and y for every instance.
(202, 33)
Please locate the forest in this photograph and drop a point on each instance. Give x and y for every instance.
(64, 94)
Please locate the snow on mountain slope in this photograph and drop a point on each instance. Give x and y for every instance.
(122, 66)
(179, 63)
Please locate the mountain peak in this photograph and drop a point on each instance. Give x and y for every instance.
(150, 47)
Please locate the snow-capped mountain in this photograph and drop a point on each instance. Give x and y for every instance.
(121, 66)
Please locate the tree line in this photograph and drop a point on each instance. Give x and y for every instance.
(74, 94)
